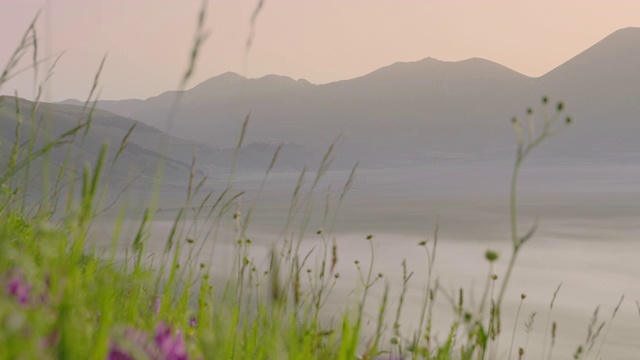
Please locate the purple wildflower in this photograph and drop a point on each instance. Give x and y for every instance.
(193, 322)
(118, 354)
(19, 289)
(172, 347)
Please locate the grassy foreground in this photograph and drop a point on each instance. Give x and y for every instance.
(63, 300)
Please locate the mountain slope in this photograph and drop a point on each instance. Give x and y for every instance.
(602, 87)
(146, 147)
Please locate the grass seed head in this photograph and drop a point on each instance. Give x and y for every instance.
(491, 255)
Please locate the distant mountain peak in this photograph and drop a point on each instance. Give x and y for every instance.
(222, 80)
(628, 31)
(629, 36)
(280, 79)
(274, 77)
(614, 56)
(425, 60)
(477, 60)
(472, 68)
(229, 75)
(227, 79)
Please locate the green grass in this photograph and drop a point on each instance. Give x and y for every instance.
(64, 299)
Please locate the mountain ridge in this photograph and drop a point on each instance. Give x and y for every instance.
(230, 75)
(414, 110)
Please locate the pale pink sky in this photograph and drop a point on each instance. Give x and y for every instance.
(148, 41)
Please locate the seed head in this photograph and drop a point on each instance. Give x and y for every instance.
(369, 237)
(560, 106)
(494, 277)
(523, 296)
(491, 255)
(545, 100)
(468, 317)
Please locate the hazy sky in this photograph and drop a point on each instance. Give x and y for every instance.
(148, 41)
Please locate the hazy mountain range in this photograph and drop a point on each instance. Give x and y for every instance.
(416, 112)
(144, 149)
